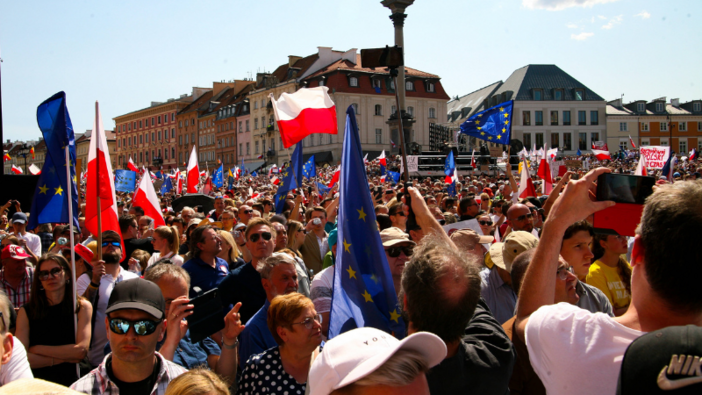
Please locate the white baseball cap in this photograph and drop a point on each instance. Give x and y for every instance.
(357, 353)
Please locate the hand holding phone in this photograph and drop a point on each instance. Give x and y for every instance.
(179, 309)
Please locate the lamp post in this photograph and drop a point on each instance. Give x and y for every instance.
(24, 152)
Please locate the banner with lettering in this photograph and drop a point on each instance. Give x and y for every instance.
(656, 155)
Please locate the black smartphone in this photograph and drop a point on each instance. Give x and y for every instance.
(624, 188)
(207, 317)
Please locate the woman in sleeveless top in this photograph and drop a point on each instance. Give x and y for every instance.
(45, 324)
(167, 242)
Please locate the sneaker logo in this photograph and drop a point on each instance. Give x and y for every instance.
(688, 365)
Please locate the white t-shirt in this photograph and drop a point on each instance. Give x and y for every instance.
(82, 283)
(175, 258)
(18, 366)
(576, 352)
(33, 242)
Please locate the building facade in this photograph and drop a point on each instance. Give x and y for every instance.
(187, 124)
(83, 149)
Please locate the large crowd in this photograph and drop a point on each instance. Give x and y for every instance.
(521, 296)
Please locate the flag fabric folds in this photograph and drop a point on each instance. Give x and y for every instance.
(146, 198)
(449, 167)
(641, 167)
(50, 204)
(167, 186)
(7, 157)
(307, 111)
(493, 125)
(632, 142)
(667, 170)
(363, 291)
(292, 178)
(526, 186)
(601, 155)
(16, 169)
(230, 179)
(100, 184)
(131, 166)
(309, 170)
(193, 172)
(34, 169)
(218, 177)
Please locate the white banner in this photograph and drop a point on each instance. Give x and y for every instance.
(413, 162)
(656, 155)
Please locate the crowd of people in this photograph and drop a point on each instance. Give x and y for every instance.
(500, 293)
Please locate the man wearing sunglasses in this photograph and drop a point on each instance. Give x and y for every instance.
(245, 214)
(519, 217)
(398, 250)
(135, 323)
(468, 208)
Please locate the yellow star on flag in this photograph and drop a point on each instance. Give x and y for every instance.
(477, 122)
(394, 316)
(482, 133)
(43, 189)
(59, 191)
(346, 246)
(367, 296)
(489, 137)
(352, 273)
(502, 109)
(480, 115)
(506, 114)
(374, 278)
(499, 136)
(504, 130)
(480, 128)
(506, 122)
(361, 214)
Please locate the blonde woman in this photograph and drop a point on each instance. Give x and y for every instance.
(296, 236)
(166, 241)
(230, 252)
(198, 381)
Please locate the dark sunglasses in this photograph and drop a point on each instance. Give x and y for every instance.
(114, 243)
(121, 326)
(394, 252)
(266, 236)
(247, 212)
(44, 274)
(302, 230)
(400, 213)
(525, 216)
(485, 223)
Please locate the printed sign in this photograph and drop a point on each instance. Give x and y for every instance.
(413, 164)
(578, 164)
(125, 180)
(496, 152)
(656, 155)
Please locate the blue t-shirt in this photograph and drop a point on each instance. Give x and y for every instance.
(205, 276)
(256, 337)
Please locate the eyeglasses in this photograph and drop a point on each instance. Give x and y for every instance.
(485, 223)
(302, 231)
(401, 214)
(563, 272)
(247, 212)
(265, 235)
(394, 252)
(44, 274)
(523, 217)
(121, 326)
(112, 243)
(309, 321)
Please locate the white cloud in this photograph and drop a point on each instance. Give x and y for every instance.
(572, 26)
(582, 36)
(558, 5)
(614, 21)
(601, 16)
(643, 15)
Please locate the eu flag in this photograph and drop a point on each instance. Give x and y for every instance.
(363, 292)
(449, 165)
(230, 179)
(322, 188)
(310, 168)
(218, 177)
(50, 202)
(254, 174)
(493, 125)
(394, 176)
(292, 178)
(167, 186)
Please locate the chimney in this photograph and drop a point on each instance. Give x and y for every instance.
(675, 102)
(292, 59)
(260, 77)
(616, 103)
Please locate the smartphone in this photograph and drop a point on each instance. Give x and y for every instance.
(207, 317)
(624, 188)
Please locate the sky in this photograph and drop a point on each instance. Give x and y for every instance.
(126, 54)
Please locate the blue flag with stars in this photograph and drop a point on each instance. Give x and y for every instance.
(50, 204)
(578, 153)
(323, 188)
(449, 165)
(218, 177)
(230, 180)
(310, 168)
(363, 292)
(493, 125)
(254, 174)
(167, 186)
(292, 178)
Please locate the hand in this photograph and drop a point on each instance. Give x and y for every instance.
(299, 199)
(241, 239)
(577, 201)
(98, 271)
(148, 233)
(17, 206)
(176, 325)
(134, 265)
(23, 243)
(232, 325)
(310, 226)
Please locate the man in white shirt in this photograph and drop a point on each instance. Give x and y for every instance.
(31, 241)
(13, 357)
(562, 338)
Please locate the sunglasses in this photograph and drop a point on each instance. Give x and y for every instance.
(401, 214)
(247, 212)
(394, 252)
(265, 235)
(302, 231)
(113, 243)
(44, 274)
(121, 326)
(485, 223)
(525, 216)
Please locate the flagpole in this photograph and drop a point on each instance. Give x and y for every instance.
(97, 187)
(69, 187)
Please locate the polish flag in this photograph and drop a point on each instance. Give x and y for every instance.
(145, 197)
(34, 169)
(17, 170)
(275, 180)
(207, 187)
(334, 178)
(551, 154)
(237, 172)
(632, 142)
(180, 184)
(193, 173)
(100, 184)
(526, 186)
(693, 154)
(392, 143)
(365, 159)
(601, 155)
(307, 111)
(544, 173)
(641, 167)
(382, 159)
(131, 166)
(472, 160)
(204, 173)
(270, 171)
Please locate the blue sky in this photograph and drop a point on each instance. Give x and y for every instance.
(128, 53)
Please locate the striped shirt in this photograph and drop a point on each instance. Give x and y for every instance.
(19, 296)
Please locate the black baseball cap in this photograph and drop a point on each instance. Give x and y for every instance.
(138, 294)
(666, 361)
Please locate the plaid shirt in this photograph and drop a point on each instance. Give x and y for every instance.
(98, 382)
(20, 296)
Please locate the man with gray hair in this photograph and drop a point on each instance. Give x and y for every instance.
(278, 277)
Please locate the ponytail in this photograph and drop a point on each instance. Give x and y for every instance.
(624, 273)
(170, 233)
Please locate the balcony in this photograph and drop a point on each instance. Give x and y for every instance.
(270, 128)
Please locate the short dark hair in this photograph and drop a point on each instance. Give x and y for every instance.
(392, 210)
(125, 222)
(383, 221)
(519, 268)
(196, 237)
(465, 203)
(577, 227)
(138, 210)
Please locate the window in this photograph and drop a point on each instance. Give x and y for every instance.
(623, 145)
(140, 124)
(644, 126)
(595, 136)
(272, 144)
(247, 125)
(594, 117)
(682, 127)
(186, 139)
(256, 151)
(539, 137)
(527, 139)
(659, 107)
(192, 137)
(567, 143)
(554, 118)
(378, 109)
(538, 118)
(622, 127)
(579, 94)
(165, 154)
(173, 118)
(159, 119)
(141, 156)
(409, 85)
(664, 127)
(172, 152)
(172, 133)
(263, 146)
(379, 136)
(353, 81)
(430, 87)
(683, 146)
(566, 117)
(141, 139)
(410, 110)
(152, 123)
(118, 143)
(159, 135)
(355, 107)
(644, 142)
(696, 107)
(180, 124)
(376, 83)
(240, 129)
(241, 152)
(248, 148)
(321, 82)
(581, 118)
(558, 94)
(432, 112)
(526, 118)
(640, 107)
(538, 94)
(664, 142)
(256, 105)
(256, 124)
(582, 141)
(554, 140)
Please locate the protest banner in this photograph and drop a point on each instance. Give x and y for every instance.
(578, 164)
(656, 155)
(413, 164)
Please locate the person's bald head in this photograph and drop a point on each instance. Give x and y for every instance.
(519, 217)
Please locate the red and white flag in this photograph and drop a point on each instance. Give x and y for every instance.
(307, 111)
(365, 159)
(34, 169)
(544, 173)
(131, 166)
(146, 198)
(601, 155)
(193, 173)
(270, 171)
(526, 186)
(207, 186)
(334, 178)
(641, 167)
(180, 183)
(100, 184)
(632, 142)
(382, 159)
(392, 143)
(17, 170)
(275, 180)
(472, 160)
